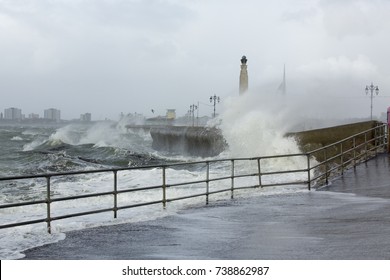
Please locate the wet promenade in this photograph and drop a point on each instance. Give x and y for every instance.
(350, 219)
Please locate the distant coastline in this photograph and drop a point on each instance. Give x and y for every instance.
(46, 122)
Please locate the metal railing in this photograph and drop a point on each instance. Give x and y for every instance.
(335, 158)
(315, 168)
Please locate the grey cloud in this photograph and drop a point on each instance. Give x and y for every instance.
(303, 15)
(347, 18)
(111, 56)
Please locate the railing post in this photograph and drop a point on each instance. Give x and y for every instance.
(342, 158)
(354, 152)
(388, 138)
(232, 187)
(115, 193)
(365, 145)
(382, 138)
(164, 188)
(379, 138)
(48, 201)
(207, 181)
(326, 166)
(308, 172)
(259, 169)
(376, 142)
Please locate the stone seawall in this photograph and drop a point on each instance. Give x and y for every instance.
(194, 141)
(313, 139)
(317, 138)
(205, 141)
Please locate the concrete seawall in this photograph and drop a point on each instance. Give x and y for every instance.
(206, 141)
(195, 141)
(317, 138)
(314, 139)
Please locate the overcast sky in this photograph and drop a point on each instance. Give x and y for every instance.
(113, 56)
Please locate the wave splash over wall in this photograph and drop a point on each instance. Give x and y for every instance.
(254, 125)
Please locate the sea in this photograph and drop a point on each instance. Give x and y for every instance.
(30, 149)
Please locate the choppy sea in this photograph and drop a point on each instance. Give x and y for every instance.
(40, 149)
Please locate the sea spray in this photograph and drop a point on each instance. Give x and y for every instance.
(100, 134)
(255, 126)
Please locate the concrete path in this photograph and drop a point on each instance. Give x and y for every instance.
(348, 220)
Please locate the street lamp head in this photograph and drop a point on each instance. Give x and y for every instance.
(367, 89)
(377, 90)
(211, 99)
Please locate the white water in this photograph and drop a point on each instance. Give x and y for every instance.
(255, 126)
(251, 128)
(101, 134)
(13, 241)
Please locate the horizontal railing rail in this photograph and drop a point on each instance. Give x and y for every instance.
(319, 166)
(372, 141)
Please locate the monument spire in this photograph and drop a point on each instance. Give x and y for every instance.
(282, 86)
(243, 76)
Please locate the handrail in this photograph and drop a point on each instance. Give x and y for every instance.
(346, 139)
(317, 173)
(378, 142)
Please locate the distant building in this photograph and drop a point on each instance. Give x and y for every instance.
(52, 114)
(33, 116)
(13, 114)
(168, 119)
(87, 117)
(171, 114)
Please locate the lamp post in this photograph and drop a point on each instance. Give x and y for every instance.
(371, 89)
(193, 107)
(216, 99)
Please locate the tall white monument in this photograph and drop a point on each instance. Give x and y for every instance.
(243, 76)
